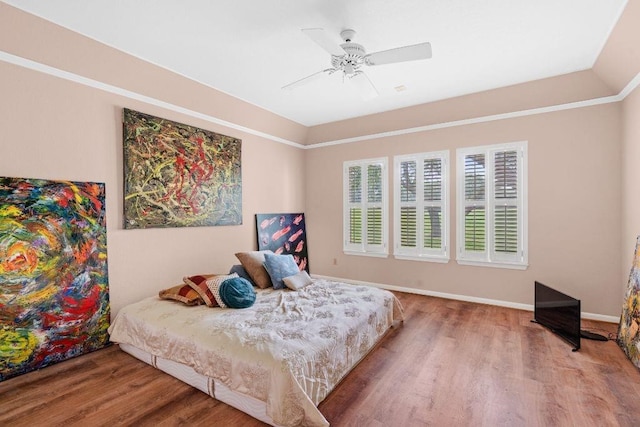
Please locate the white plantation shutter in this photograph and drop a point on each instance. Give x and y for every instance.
(354, 205)
(505, 222)
(432, 194)
(374, 205)
(365, 185)
(421, 206)
(474, 202)
(408, 227)
(408, 211)
(492, 205)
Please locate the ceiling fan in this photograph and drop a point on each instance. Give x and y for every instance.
(349, 58)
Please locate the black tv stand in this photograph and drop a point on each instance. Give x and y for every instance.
(592, 336)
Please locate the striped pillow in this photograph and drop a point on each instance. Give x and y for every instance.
(183, 293)
(199, 284)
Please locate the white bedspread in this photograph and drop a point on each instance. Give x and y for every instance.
(289, 349)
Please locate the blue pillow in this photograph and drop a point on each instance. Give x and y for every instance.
(241, 272)
(237, 293)
(279, 267)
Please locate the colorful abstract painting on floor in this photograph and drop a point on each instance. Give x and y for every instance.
(54, 295)
(629, 329)
(179, 176)
(284, 233)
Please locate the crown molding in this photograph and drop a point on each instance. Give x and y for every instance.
(633, 84)
(66, 75)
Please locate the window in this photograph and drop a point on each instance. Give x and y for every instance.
(365, 207)
(421, 206)
(492, 205)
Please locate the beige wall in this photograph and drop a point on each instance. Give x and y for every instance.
(630, 181)
(58, 129)
(582, 208)
(574, 209)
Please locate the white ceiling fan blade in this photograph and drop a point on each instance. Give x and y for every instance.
(365, 87)
(308, 79)
(324, 41)
(400, 54)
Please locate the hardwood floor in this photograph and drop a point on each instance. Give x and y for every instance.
(451, 363)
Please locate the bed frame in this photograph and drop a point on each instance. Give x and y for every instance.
(247, 404)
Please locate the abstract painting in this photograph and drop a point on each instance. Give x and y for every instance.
(54, 295)
(629, 328)
(179, 176)
(284, 233)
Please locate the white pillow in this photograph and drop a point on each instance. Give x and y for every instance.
(214, 286)
(297, 281)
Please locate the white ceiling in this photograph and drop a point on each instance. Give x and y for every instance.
(251, 48)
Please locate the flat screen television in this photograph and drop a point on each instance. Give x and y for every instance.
(558, 312)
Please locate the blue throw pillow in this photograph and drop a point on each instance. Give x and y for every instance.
(279, 267)
(241, 272)
(237, 293)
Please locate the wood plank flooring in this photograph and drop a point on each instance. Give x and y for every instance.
(451, 363)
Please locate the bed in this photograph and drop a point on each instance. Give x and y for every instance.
(276, 360)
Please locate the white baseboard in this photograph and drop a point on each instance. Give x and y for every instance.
(500, 303)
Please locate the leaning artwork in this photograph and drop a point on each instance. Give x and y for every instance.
(177, 175)
(629, 328)
(284, 233)
(54, 296)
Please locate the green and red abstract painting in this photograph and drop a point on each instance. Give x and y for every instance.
(177, 175)
(54, 295)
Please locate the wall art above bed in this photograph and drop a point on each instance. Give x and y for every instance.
(177, 175)
(54, 295)
(284, 233)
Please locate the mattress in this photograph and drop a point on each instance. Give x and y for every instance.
(287, 351)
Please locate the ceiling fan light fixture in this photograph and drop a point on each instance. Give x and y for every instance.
(348, 69)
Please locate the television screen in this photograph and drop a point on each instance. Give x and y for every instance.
(558, 312)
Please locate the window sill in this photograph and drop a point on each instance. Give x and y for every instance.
(493, 264)
(371, 254)
(425, 258)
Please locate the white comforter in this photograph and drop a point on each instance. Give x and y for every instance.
(289, 349)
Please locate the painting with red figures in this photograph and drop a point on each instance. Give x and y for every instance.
(284, 233)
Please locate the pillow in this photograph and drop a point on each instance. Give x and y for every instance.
(199, 284)
(279, 267)
(253, 263)
(297, 281)
(241, 272)
(213, 284)
(237, 293)
(183, 293)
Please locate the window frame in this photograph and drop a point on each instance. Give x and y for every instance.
(419, 253)
(489, 257)
(363, 248)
